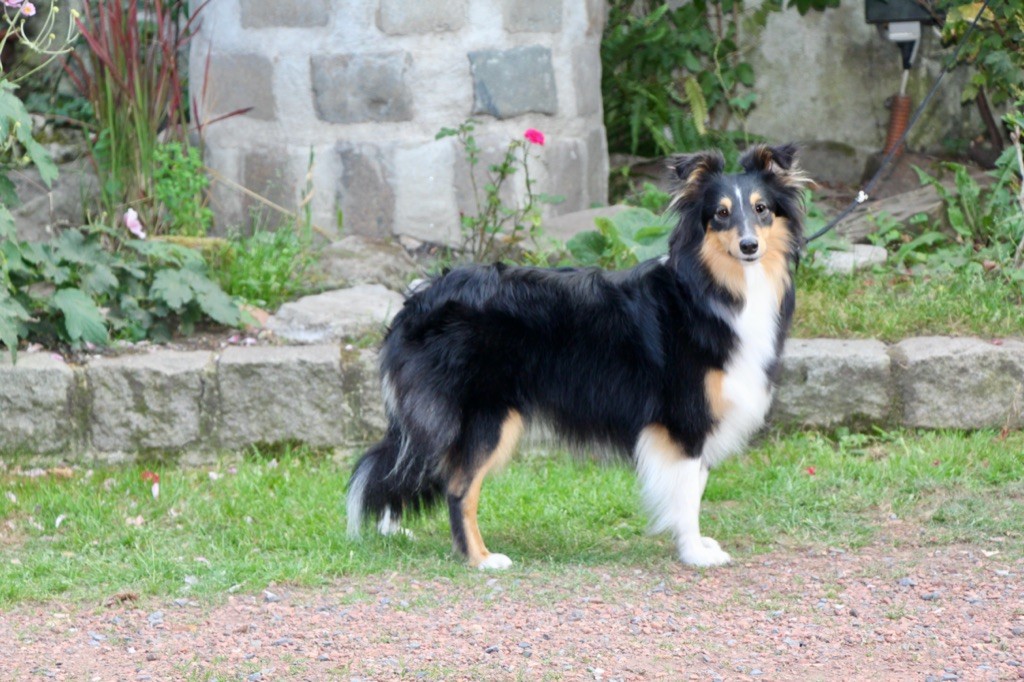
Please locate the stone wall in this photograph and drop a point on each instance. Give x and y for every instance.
(199, 404)
(365, 85)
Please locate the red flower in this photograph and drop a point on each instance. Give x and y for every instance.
(150, 476)
(535, 136)
(811, 471)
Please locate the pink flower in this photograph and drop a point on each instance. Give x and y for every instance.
(131, 221)
(811, 471)
(13, 3)
(28, 9)
(535, 136)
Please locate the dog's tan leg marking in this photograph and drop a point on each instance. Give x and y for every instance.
(476, 550)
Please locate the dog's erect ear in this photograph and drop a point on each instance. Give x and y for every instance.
(690, 172)
(761, 157)
(691, 168)
(779, 161)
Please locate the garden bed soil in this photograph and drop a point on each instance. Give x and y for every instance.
(893, 610)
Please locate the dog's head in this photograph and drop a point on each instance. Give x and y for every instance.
(745, 215)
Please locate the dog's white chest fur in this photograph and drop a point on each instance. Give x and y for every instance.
(745, 387)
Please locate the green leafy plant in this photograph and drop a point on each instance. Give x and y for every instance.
(179, 185)
(132, 75)
(995, 49)
(987, 221)
(86, 286)
(676, 78)
(623, 240)
(651, 197)
(268, 267)
(496, 229)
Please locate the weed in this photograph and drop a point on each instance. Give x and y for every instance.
(496, 230)
(132, 76)
(267, 267)
(179, 184)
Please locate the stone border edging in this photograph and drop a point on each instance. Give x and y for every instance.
(201, 403)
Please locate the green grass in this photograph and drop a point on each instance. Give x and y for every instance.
(263, 521)
(889, 306)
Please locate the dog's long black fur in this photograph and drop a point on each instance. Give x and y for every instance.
(599, 355)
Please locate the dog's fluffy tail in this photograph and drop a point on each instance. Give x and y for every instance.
(388, 481)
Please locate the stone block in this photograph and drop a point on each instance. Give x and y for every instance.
(343, 314)
(586, 79)
(152, 401)
(961, 383)
(280, 395)
(269, 173)
(361, 260)
(832, 382)
(366, 194)
(425, 202)
(520, 16)
(361, 377)
(238, 81)
(44, 210)
(37, 406)
(566, 173)
(362, 88)
(508, 83)
(284, 13)
(401, 17)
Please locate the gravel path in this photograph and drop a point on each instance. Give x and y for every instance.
(881, 613)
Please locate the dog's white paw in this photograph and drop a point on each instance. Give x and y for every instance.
(706, 552)
(495, 562)
(711, 543)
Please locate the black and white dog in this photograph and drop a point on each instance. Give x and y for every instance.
(672, 361)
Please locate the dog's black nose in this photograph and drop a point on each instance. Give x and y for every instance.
(748, 246)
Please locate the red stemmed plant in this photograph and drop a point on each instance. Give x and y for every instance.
(132, 76)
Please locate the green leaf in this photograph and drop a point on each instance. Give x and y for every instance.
(588, 247)
(745, 74)
(691, 62)
(14, 118)
(13, 317)
(173, 288)
(698, 105)
(82, 319)
(214, 302)
(40, 157)
(99, 280)
(7, 229)
(8, 197)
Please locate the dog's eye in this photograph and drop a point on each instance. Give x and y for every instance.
(760, 209)
(722, 212)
